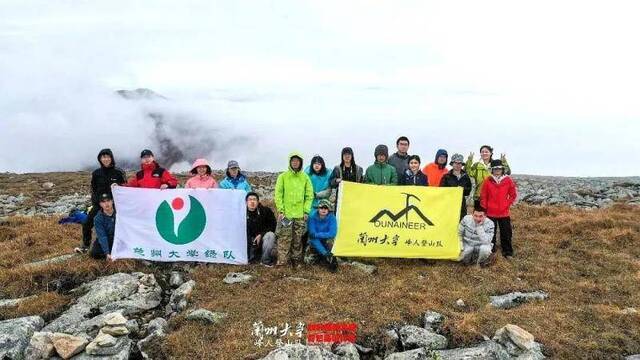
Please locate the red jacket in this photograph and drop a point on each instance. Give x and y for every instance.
(497, 198)
(434, 173)
(152, 176)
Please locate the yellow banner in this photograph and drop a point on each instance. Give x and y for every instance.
(398, 221)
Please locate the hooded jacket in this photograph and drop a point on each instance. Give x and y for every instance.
(294, 191)
(152, 176)
(479, 172)
(105, 227)
(320, 182)
(104, 177)
(497, 197)
(418, 179)
(201, 182)
(381, 173)
(323, 229)
(239, 182)
(435, 171)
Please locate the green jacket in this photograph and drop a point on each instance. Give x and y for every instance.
(479, 172)
(294, 192)
(381, 174)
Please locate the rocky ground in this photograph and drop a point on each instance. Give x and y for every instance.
(571, 292)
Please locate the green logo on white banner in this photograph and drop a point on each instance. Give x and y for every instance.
(191, 226)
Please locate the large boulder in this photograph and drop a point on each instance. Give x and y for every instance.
(40, 347)
(517, 298)
(68, 345)
(180, 297)
(15, 335)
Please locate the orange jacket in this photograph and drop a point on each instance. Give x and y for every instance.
(434, 173)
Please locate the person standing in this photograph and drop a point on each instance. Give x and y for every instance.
(437, 169)
(497, 195)
(201, 176)
(320, 177)
(101, 181)
(152, 175)
(235, 179)
(381, 173)
(413, 175)
(480, 171)
(293, 198)
(400, 159)
(458, 177)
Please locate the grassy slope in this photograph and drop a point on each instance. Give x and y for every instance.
(589, 262)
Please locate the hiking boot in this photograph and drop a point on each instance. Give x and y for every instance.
(332, 262)
(81, 250)
(508, 257)
(269, 265)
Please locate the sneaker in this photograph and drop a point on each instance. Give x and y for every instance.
(508, 257)
(266, 264)
(332, 262)
(81, 250)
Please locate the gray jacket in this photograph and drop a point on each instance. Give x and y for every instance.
(401, 163)
(473, 235)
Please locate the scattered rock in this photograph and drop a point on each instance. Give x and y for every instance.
(432, 321)
(299, 351)
(67, 345)
(633, 357)
(176, 279)
(112, 346)
(206, 316)
(179, 298)
(115, 330)
(460, 303)
(15, 335)
(486, 350)
(347, 351)
(115, 319)
(48, 185)
(237, 278)
(157, 325)
(416, 354)
(515, 299)
(8, 303)
(518, 342)
(150, 347)
(55, 260)
(367, 268)
(629, 311)
(40, 347)
(416, 337)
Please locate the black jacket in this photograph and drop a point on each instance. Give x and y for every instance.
(102, 178)
(419, 179)
(260, 221)
(450, 180)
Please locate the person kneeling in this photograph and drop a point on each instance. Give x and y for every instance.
(261, 227)
(105, 224)
(476, 232)
(322, 230)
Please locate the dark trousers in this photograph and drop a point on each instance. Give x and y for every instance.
(96, 251)
(88, 225)
(463, 210)
(504, 224)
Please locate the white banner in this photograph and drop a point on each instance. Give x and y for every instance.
(207, 225)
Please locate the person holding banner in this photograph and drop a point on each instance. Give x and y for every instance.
(480, 171)
(476, 232)
(400, 159)
(152, 176)
(293, 198)
(413, 175)
(437, 169)
(319, 176)
(497, 195)
(322, 230)
(458, 177)
(261, 227)
(105, 224)
(101, 181)
(381, 173)
(235, 179)
(201, 178)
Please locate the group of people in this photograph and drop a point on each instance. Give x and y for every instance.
(304, 199)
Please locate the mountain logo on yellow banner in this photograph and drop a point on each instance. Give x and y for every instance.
(387, 219)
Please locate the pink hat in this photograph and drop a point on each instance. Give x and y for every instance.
(200, 162)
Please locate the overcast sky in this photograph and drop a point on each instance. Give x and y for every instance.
(553, 84)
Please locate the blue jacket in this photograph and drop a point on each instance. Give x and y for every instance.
(105, 226)
(240, 183)
(324, 229)
(321, 189)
